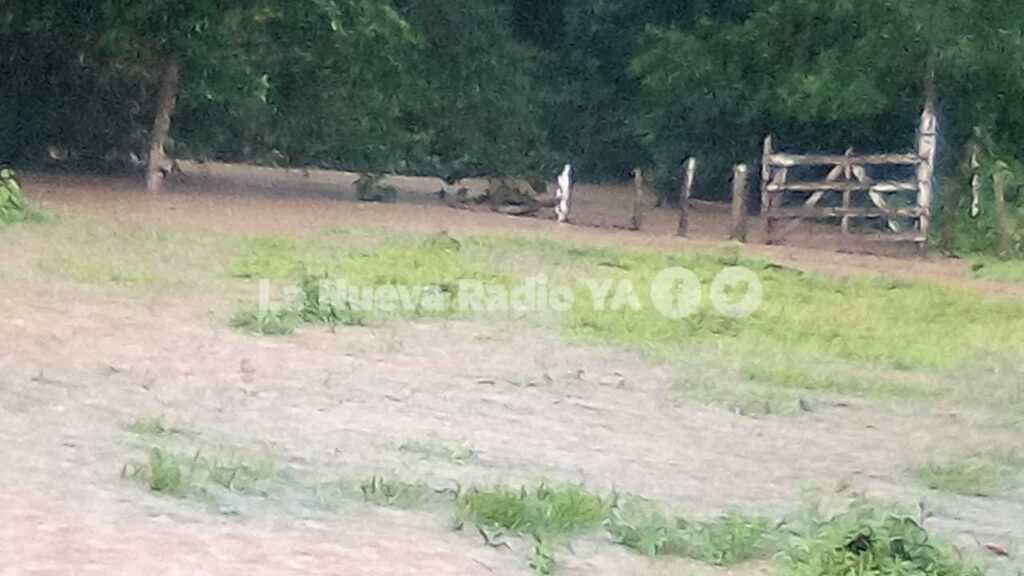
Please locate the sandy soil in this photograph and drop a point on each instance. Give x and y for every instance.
(76, 363)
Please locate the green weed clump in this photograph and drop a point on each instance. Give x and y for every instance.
(394, 493)
(549, 515)
(439, 451)
(265, 322)
(307, 307)
(14, 207)
(726, 540)
(977, 475)
(543, 511)
(195, 475)
(147, 426)
(866, 541)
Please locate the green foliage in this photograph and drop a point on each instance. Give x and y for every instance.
(194, 475)
(871, 319)
(550, 515)
(430, 269)
(265, 322)
(147, 426)
(1011, 271)
(13, 205)
(439, 451)
(96, 271)
(810, 73)
(980, 234)
(393, 493)
(723, 541)
(508, 87)
(867, 541)
(541, 511)
(976, 475)
(542, 556)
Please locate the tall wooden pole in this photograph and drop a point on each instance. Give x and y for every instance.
(766, 178)
(926, 144)
(739, 203)
(689, 174)
(638, 200)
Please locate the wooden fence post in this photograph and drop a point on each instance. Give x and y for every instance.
(1002, 218)
(766, 171)
(739, 203)
(767, 176)
(689, 173)
(638, 200)
(926, 141)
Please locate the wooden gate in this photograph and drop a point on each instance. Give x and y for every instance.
(850, 175)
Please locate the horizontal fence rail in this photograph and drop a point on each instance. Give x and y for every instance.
(882, 187)
(790, 160)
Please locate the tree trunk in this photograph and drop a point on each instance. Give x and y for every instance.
(167, 99)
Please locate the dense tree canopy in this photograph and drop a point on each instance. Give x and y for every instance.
(463, 87)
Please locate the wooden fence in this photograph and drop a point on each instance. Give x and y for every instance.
(850, 175)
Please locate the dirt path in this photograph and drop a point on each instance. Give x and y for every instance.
(77, 362)
(340, 405)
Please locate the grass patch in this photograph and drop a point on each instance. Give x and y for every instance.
(152, 426)
(543, 511)
(813, 335)
(977, 475)
(723, 541)
(549, 515)
(403, 278)
(870, 319)
(265, 322)
(147, 426)
(194, 475)
(867, 541)
(439, 451)
(1011, 271)
(96, 271)
(839, 378)
(394, 493)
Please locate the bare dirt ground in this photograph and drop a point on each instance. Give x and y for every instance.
(76, 363)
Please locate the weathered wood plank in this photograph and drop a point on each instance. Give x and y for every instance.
(739, 203)
(779, 176)
(849, 212)
(927, 140)
(861, 174)
(791, 160)
(766, 171)
(882, 187)
(689, 174)
(638, 200)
